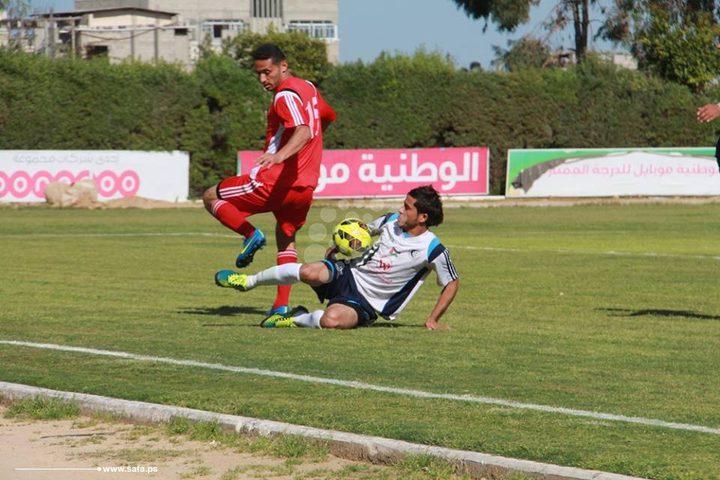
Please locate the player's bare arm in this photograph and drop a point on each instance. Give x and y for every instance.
(708, 113)
(298, 139)
(444, 300)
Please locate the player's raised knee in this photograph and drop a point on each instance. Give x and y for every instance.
(209, 196)
(315, 273)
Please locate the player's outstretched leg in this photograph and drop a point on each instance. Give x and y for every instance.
(252, 244)
(282, 275)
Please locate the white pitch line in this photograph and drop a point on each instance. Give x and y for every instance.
(118, 234)
(610, 253)
(376, 388)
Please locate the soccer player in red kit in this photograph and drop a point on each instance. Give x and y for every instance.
(285, 175)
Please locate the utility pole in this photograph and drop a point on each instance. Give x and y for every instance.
(156, 41)
(73, 46)
(51, 36)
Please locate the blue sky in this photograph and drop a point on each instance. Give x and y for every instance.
(368, 27)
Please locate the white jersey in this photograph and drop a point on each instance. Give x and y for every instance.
(394, 268)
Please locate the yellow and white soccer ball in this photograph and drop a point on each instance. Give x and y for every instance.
(351, 237)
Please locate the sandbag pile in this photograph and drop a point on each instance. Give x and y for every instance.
(81, 194)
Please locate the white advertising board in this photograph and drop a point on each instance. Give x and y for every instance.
(618, 172)
(24, 174)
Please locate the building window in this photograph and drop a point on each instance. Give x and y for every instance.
(96, 51)
(321, 29)
(267, 8)
(214, 28)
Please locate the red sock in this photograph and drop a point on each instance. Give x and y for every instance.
(283, 291)
(232, 218)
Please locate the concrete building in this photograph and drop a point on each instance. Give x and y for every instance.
(172, 30)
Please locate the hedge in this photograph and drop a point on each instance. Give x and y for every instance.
(394, 102)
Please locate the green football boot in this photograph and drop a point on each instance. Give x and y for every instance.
(280, 320)
(231, 279)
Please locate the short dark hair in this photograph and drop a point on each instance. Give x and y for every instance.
(427, 200)
(269, 51)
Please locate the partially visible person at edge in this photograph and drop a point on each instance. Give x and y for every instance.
(285, 175)
(380, 283)
(706, 114)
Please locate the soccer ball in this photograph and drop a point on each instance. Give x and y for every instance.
(351, 236)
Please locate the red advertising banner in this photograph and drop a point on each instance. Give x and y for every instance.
(391, 173)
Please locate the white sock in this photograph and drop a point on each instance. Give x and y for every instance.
(278, 275)
(309, 320)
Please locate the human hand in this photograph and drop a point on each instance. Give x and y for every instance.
(331, 252)
(268, 160)
(708, 113)
(431, 324)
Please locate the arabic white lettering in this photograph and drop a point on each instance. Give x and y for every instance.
(446, 172)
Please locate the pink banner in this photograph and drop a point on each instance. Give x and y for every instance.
(391, 173)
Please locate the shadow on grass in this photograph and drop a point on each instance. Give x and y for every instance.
(658, 312)
(231, 311)
(224, 311)
(393, 325)
(227, 311)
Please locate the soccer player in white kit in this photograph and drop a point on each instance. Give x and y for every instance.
(379, 283)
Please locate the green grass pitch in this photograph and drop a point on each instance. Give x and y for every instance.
(604, 308)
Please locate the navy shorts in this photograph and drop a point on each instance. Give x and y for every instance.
(343, 290)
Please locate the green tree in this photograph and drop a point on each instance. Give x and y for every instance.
(674, 39)
(307, 56)
(508, 14)
(577, 13)
(527, 52)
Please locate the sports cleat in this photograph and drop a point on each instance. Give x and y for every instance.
(231, 279)
(251, 245)
(282, 309)
(287, 320)
(299, 310)
(278, 320)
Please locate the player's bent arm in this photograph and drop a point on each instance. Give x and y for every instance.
(297, 140)
(327, 114)
(444, 300)
(299, 137)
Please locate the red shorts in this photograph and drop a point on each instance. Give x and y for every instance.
(289, 205)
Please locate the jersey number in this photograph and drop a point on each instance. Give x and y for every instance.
(314, 116)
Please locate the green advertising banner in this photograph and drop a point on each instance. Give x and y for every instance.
(612, 172)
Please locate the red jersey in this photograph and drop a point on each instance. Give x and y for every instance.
(295, 102)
